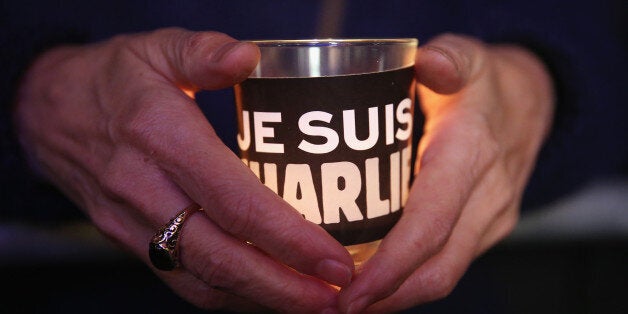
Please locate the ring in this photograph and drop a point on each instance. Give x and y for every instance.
(163, 249)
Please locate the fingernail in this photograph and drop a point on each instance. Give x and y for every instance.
(224, 50)
(334, 272)
(358, 306)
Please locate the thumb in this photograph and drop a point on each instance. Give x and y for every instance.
(448, 62)
(200, 60)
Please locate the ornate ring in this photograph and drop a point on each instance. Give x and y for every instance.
(163, 249)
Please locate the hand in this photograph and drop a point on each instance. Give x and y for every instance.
(115, 126)
(488, 109)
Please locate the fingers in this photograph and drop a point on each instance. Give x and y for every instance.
(199, 60)
(440, 191)
(211, 259)
(454, 154)
(232, 266)
(434, 279)
(477, 229)
(448, 62)
(465, 195)
(208, 172)
(236, 201)
(173, 133)
(136, 149)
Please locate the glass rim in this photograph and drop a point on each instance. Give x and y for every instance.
(333, 42)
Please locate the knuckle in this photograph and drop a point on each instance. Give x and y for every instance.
(166, 35)
(443, 288)
(442, 283)
(240, 211)
(482, 137)
(141, 121)
(153, 125)
(196, 42)
(440, 230)
(217, 271)
(200, 39)
(434, 238)
(492, 151)
(483, 147)
(215, 274)
(113, 184)
(239, 223)
(113, 177)
(122, 49)
(121, 40)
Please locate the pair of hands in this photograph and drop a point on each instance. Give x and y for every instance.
(115, 126)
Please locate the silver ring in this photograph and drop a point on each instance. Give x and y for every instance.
(163, 249)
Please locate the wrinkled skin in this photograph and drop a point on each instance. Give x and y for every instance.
(114, 125)
(488, 109)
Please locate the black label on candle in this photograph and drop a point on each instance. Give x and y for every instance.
(338, 149)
